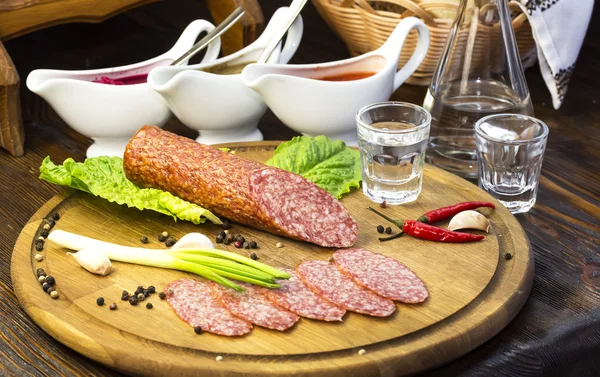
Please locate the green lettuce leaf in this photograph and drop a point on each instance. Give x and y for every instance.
(329, 164)
(104, 177)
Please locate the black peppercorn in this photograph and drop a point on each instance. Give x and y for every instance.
(56, 216)
(161, 238)
(253, 245)
(380, 229)
(45, 287)
(146, 293)
(226, 224)
(50, 280)
(149, 305)
(125, 297)
(162, 295)
(508, 256)
(100, 301)
(125, 293)
(39, 245)
(152, 289)
(198, 330)
(170, 241)
(133, 300)
(44, 233)
(246, 245)
(51, 223)
(50, 290)
(39, 272)
(219, 239)
(222, 233)
(388, 230)
(144, 239)
(253, 256)
(240, 238)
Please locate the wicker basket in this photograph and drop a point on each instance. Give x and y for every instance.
(365, 26)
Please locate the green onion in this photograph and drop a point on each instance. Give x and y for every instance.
(205, 272)
(224, 264)
(236, 257)
(216, 265)
(243, 278)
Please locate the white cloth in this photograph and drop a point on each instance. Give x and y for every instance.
(559, 27)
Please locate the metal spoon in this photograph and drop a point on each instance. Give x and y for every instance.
(216, 32)
(295, 9)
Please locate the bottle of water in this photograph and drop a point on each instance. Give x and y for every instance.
(479, 74)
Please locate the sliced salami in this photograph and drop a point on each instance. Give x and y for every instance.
(193, 301)
(294, 296)
(327, 281)
(381, 274)
(253, 307)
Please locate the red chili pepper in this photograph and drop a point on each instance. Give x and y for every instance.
(433, 233)
(433, 216)
(446, 212)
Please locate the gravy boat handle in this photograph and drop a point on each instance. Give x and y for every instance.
(392, 48)
(188, 38)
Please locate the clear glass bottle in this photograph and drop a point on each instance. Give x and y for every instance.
(479, 74)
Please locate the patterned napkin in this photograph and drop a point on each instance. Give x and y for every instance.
(559, 27)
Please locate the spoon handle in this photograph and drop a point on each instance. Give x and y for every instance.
(295, 9)
(215, 33)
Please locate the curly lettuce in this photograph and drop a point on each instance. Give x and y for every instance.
(329, 164)
(104, 177)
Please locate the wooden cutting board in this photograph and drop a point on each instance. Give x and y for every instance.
(474, 293)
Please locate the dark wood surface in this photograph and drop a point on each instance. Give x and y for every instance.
(556, 334)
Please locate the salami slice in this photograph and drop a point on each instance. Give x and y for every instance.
(383, 275)
(327, 281)
(193, 301)
(294, 296)
(241, 190)
(253, 307)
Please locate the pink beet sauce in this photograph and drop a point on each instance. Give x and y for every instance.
(128, 80)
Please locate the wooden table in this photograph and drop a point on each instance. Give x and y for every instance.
(556, 334)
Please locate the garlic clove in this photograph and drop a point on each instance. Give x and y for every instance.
(94, 260)
(469, 220)
(194, 240)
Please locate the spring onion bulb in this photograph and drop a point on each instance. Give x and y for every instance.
(213, 264)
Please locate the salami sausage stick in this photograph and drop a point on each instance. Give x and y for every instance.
(241, 190)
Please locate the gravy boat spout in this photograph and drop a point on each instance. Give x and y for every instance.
(211, 97)
(323, 99)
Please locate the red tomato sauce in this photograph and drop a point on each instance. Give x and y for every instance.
(348, 76)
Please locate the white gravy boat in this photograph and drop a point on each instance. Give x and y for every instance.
(317, 107)
(111, 114)
(219, 106)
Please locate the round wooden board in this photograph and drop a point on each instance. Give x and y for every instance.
(474, 293)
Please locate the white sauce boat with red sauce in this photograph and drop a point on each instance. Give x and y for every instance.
(111, 114)
(219, 106)
(304, 99)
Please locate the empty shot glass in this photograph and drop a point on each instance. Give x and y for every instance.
(392, 138)
(510, 150)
